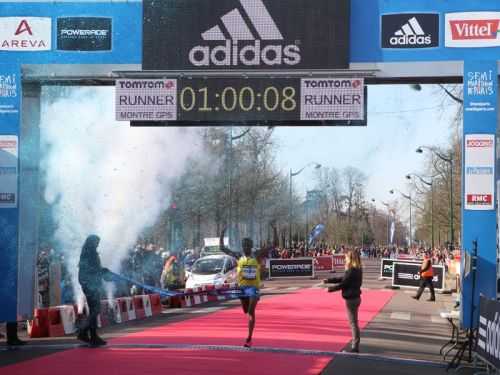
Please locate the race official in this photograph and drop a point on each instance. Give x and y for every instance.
(426, 276)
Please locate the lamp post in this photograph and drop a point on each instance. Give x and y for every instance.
(388, 220)
(407, 196)
(448, 160)
(293, 174)
(409, 177)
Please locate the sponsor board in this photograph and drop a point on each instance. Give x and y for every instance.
(84, 34)
(9, 93)
(407, 275)
(338, 260)
(479, 166)
(245, 34)
(488, 345)
(8, 171)
(323, 263)
(332, 99)
(472, 29)
(146, 99)
(296, 267)
(410, 30)
(25, 34)
(386, 267)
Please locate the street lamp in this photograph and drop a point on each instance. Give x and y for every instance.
(388, 206)
(409, 199)
(409, 177)
(448, 160)
(293, 174)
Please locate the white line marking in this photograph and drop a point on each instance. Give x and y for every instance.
(401, 316)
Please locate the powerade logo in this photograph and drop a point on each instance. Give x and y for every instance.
(243, 48)
(410, 30)
(84, 34)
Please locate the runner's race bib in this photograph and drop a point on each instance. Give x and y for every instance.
(249, 272)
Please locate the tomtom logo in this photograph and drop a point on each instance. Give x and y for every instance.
(231, 54)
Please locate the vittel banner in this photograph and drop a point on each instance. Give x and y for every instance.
(472, 29)
(410, 30)
(245, 34)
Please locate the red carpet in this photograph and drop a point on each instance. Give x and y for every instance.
(309, 319)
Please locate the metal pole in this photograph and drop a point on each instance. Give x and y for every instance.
(290, 213)
(307, 226)
(432, 214)
(388, 230)
(451, 207)
(411, 242)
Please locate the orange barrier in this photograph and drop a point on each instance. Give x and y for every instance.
(155, 304)
(56, 327)
(39, 326)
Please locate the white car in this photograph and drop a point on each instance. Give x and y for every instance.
(212, 270)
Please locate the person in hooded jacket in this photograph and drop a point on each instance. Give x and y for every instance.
(90, 276)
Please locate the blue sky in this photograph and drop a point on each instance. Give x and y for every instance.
(399, 120)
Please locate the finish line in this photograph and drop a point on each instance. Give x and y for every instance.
(233, 348)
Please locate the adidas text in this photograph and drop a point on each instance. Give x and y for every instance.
(251, 54)
(412, 40)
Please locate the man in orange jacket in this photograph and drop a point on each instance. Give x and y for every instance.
(426, 276)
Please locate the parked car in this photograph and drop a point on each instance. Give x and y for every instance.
(212, 270)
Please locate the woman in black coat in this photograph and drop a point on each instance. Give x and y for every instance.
(350, 285)
(90, 276)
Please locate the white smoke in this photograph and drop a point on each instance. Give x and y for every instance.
(104, 177)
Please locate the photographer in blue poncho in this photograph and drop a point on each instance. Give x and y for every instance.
(90, 275)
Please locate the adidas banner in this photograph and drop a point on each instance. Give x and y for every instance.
(410, 30)
(245, 34)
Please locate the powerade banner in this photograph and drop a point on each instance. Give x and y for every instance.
(84, 34)
(10, 101)
(246, 34)
(297, 267)
(479, 219)
(488, 346)
(386, 267)
(408, 275)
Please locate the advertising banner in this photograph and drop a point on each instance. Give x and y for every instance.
(479, 179)
(296, 267)
(246, 35)
(10, 101)
(9, 173)
(338, 261)
(408, 275)
(472, 29)
(479, 219)
(489, 329)
(254, 101)
(323, 263)
(386, 267)
(84, 34)
(410, 30)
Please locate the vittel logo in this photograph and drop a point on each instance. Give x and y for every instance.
(254, 44)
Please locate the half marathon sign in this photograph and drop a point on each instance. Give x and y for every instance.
(251, 101)
(296, 267)
(386, 267)
(245, 35)
(408, 275)
(488, 343)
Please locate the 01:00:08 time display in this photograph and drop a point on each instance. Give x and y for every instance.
(245, 99)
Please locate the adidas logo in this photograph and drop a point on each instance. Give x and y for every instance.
(245, 43)
(411, 34)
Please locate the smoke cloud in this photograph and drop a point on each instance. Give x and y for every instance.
(103, 176)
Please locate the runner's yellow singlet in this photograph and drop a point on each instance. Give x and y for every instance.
(248, 272)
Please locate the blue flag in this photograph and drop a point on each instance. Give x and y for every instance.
(316, 231)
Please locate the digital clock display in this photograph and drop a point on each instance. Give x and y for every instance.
(249, 101)
(238, 100)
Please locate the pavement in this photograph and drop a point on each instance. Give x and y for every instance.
(405, 337)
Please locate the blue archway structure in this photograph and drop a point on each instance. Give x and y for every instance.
(458, 42)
